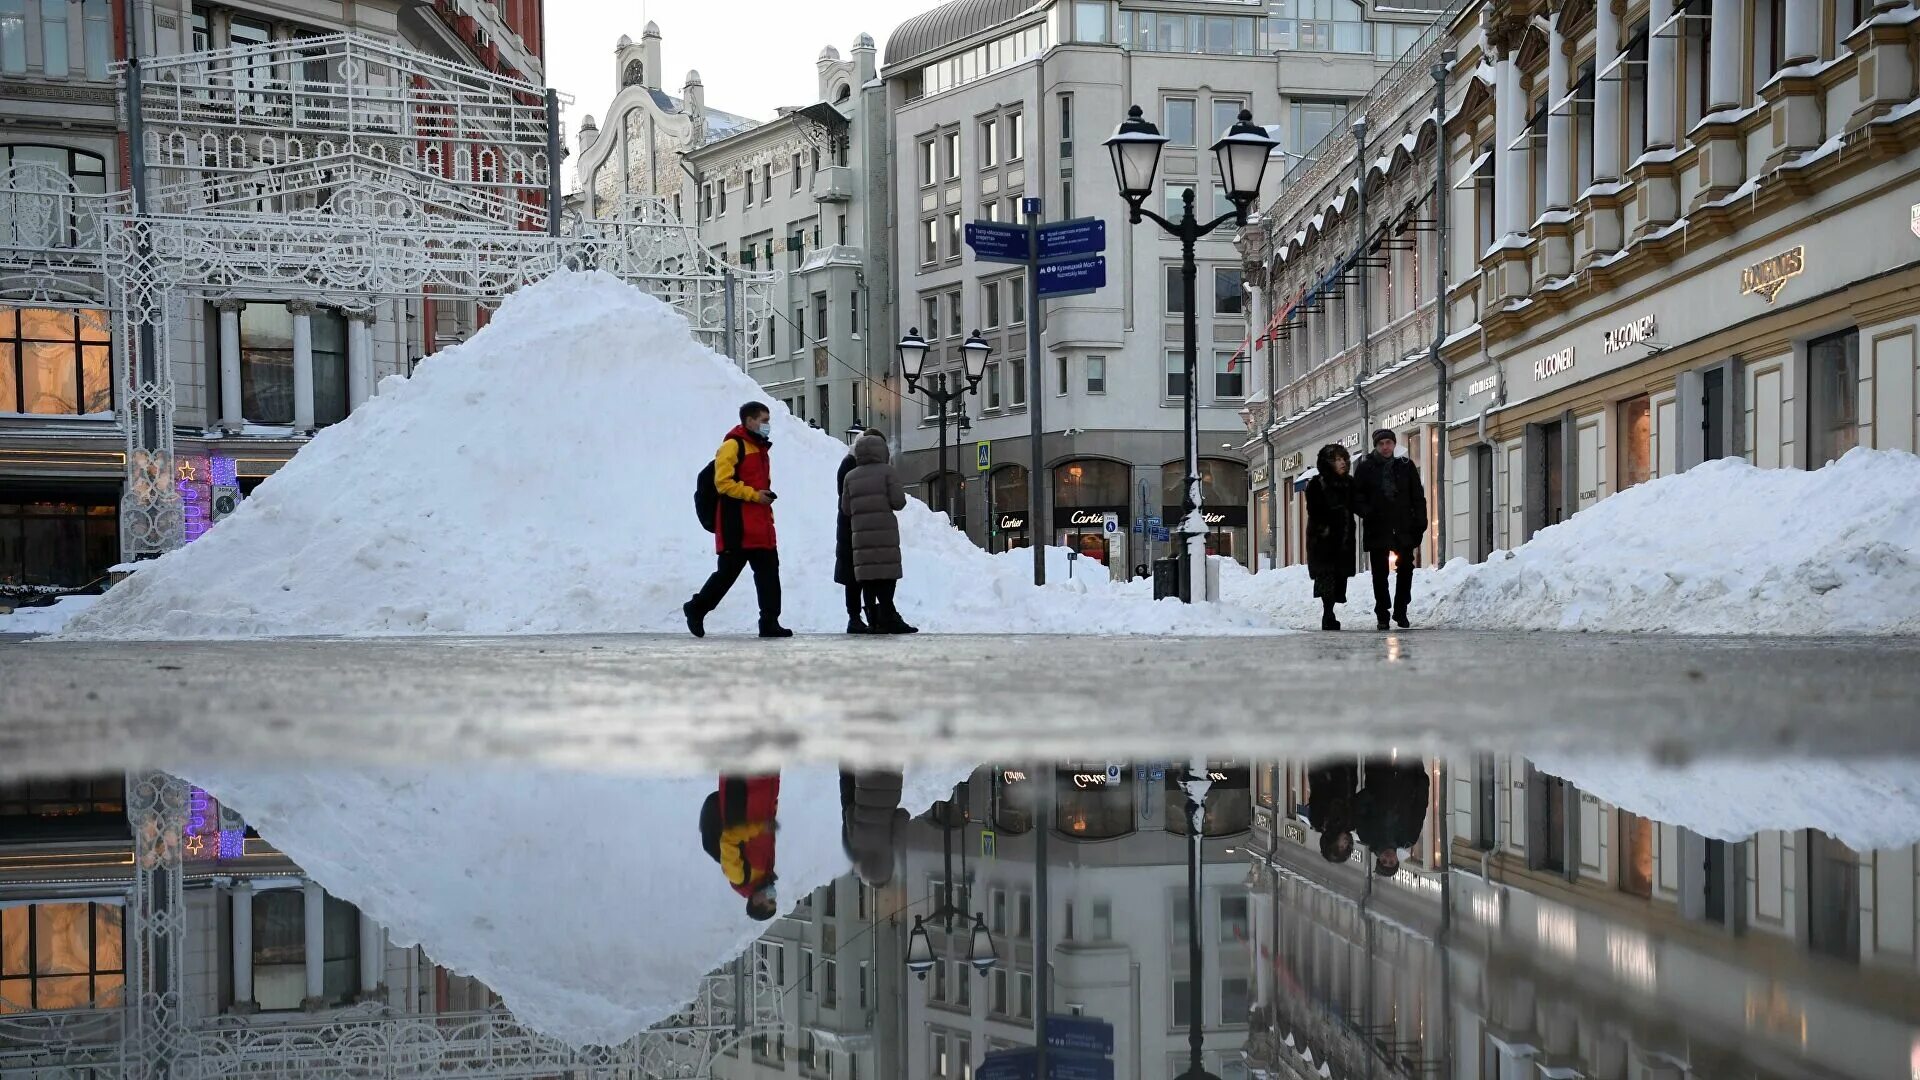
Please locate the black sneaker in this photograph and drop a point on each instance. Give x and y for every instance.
(774, 630)
(696, 620)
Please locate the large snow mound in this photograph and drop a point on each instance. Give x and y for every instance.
(1723, 548)
(539, 478)
(584, 901)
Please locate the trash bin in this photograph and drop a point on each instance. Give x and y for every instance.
(1166, 579)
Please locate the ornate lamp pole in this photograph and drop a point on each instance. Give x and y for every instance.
(913, 362)
(980, 948)
(1242, 153)
(1196, 785)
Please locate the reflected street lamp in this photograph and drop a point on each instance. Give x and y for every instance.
(1241, 155)
(913, 362)
(981, 953)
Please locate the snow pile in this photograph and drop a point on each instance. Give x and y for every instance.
(585, 901)
(47, 618)
(1866, 805)
(539, 478)
(1723, 548)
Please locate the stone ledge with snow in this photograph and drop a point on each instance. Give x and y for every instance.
(538, 478)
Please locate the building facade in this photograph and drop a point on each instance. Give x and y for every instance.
(252, 124)
(1676, 231)
(993, 101)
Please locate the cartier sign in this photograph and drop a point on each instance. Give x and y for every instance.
(1637, 332)
(1553, 364)
(1087, 517)
(1768, 276)
(1012, 522)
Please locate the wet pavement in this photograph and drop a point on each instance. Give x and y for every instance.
(655, 702)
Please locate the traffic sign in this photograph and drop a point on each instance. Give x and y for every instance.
(1080, 1034)
(1154, 522)
(1080, 236)
(1139, 527)
(1158, 774)
(1072, 277)
(989, 844)
(983, 455)
(1030, 205)
(1161, 535)
(1113, 777)
(1111, 522)
(994, 241)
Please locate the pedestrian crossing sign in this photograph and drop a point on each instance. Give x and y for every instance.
(983, 455)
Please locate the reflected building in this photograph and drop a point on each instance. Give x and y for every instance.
(1539, 931)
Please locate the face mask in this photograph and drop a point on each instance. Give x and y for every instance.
(765, 430)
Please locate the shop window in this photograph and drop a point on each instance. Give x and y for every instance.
(1636, 441)
(66, 541)
(266, 363)
(1228, 810)
(1636, 855)
(63, 808)
(1007, 505)
(55, 361)
(1833, 416)
(60, 956)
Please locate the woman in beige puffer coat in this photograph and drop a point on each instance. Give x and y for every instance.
(871, 496)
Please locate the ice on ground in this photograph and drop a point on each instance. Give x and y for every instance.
(1723, 548)
(539, 478)
(47, 618)
(584, 901)
(1866, 805)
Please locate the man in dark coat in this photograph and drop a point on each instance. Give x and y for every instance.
(737, 826)
(1392, 504)
(843, 549)
(1330, 787)
(743, 532)
(1330, 530)
(1390, 811)
(871, 822)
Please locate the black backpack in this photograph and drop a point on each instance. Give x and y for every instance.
(706, 497)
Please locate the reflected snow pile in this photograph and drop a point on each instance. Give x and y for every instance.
(584, 901)
(1723, 548)
(539, 478)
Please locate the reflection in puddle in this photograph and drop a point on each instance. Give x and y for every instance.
(1485, 916)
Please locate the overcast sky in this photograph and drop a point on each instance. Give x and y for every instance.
(752, 54)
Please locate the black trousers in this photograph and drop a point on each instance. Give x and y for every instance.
(879, 595)
(1402, 585)
(853, 599)
(766, 581)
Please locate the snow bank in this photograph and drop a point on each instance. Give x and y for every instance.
(584, 901)
(1867, 805)
(1723, 548)
(47, 618)
(539, 478)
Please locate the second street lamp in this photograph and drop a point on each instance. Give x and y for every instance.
(1242, 154)
(913, 363)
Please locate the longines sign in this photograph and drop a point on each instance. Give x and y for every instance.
(1768, 276)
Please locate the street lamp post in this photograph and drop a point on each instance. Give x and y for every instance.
(1242, 153)
(1196, 786)
(913, 362)
(981, 953)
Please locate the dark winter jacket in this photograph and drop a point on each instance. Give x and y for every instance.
(871, 496)
(1330, 524)
(872, 822)
(1391, 809)
(1391, 502)
(737, 825)
(843, 528)
(1330, 796)
(741, 471)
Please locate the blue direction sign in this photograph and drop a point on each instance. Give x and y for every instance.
(994, 241)
(1023, 1064)
(1080, 236)
(1073, 277)
(1081, 1034)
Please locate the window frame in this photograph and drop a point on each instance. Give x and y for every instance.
(1096, 383)
(1167, 127)
(81, 344)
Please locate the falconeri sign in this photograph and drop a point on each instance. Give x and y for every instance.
(1768, 276)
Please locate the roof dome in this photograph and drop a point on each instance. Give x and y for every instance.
(829, 53)
(588, 123)
(624, 41)
(693, 78)
(948, 23)
(652, 30)
(864, 41)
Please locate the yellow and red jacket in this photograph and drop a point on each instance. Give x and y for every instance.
(741, 470)
(737, 828)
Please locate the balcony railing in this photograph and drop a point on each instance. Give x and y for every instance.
(1406, 336)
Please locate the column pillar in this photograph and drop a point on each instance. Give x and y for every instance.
(1725, 62)
(242, 894)
(302, 363)
(1803, 31)
(1512, 163)
(359, 356)
(315, 910)
(1663, 72)
(372, 958)
(1606, 95)
(230, 415)
(1560, 193)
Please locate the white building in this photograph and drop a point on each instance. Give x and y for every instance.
(996, 100)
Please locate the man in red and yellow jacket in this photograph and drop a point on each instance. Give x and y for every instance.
(737, 826)
(743, 532)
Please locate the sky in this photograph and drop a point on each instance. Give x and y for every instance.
(752, 55)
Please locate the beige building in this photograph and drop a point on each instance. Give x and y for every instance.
(1676, 232)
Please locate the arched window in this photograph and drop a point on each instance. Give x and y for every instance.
(842, 94)
(634, 75)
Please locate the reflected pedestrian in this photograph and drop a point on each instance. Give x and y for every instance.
(1330, 530)
(737, 827)
(872, 822)
(1392, 504)
(1390, 811)
(1330, 787)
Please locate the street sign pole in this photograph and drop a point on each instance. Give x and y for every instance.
(1037, 482)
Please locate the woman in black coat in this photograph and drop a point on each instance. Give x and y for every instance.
(843, 550)
(1330, 530)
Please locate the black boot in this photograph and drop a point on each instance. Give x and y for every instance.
(1400, 618)
(895, 624)
(1327, 621)
(771, 628)
(856, 625)
(1382, 617)
(696, 619)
